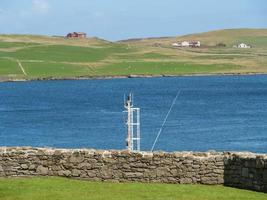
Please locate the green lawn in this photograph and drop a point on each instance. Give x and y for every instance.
(66, 189)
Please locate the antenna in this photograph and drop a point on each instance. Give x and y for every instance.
(133, 124)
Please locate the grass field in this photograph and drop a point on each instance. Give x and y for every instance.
(9, 67)
(57, 57)
(66, 189)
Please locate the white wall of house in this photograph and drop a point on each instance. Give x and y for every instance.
(243, 45)
(185, 44)
(176, 45)
(198, 44)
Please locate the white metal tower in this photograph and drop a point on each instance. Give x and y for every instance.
(133, 125)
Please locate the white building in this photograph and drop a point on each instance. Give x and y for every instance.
(242, 46)
(176, 45)
(194, 44)
(185, 44)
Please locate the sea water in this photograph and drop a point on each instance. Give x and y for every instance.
(223, 113)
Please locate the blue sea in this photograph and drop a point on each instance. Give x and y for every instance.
(223, 113)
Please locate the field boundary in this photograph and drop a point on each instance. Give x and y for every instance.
(235, 169)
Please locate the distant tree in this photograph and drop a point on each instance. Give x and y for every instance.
(220, 45)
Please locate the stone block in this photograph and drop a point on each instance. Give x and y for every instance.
(161, 171)
(58, 153)
(42, 170)
(84, 165)
(186, 180)
(259, 163)
(75, 173)
(252, 163)
(220, 180)
(133, 175)
(76, 158)
(24, 166)
(150, 174)
(32, 167)
(244, 172)
(65, 173)
(92, 173)
(1, 169)
(56, 168)
(209, 180)
(218, 171)
(265, 176)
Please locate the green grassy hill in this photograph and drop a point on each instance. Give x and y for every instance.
(230, 37)
(37, 57)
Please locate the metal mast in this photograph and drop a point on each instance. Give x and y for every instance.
(133, 125)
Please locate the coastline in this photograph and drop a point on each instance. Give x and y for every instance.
(5, 79)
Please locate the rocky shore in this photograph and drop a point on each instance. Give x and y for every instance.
(12, 79)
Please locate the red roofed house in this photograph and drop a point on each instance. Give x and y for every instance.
(76, 35)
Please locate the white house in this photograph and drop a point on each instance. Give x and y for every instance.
(242, 46)
(185, 44)
(176, 45)
(194, 44)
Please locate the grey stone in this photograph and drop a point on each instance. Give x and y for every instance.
(24, 166)
(162, 171)
(76, 158)
(265, 175)
(42, 170)
(244, 172)
(65, 173)
(133, 175)
(150, 174)
(259, 163)
(76, 172)
(186, 180)
(84, 166)
(209, 181)
(32, 167)
(92, 173)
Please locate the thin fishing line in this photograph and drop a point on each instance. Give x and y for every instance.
(163, 124)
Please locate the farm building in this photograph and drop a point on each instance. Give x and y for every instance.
(176, 45)
(187, 44)
(194, 44)
(242, 46)
(76, 35)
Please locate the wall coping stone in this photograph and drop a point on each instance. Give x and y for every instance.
(109, 153)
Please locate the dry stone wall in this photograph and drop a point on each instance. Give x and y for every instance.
(243, 170)
(246, 170)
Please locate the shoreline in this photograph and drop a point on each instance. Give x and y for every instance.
(5, 79)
